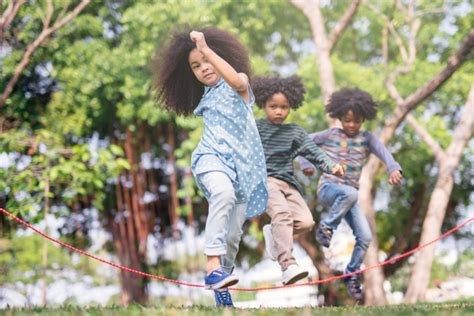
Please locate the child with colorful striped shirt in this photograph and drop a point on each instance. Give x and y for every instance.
(351, 147)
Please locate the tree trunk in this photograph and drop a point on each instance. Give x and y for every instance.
(448, 162)
(44, 285)
(174, 202)
(431, 229)
(325, 44)
(409, 237)
(374, 291)
(129, 225)
(330, 292)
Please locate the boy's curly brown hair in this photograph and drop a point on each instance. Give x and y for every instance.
(265, 87)
(354, 99)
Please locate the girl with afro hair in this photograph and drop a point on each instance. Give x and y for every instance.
(290, 216)
(205, 73)
(351, 147)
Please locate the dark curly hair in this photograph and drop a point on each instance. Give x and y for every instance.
(265, 87)
(354, 99)
(175, 84)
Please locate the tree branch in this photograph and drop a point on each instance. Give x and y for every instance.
(385, 46)
(34, 45)
(8, 16)
(464, 129)
(408, 55)
(454, 62)
(393, 31)
(342, 24)
(432, 11)
(305, 6)
(390, 83)
(70, 16)
(49, 14)
(435, 147)
(415, 23)
(401, 7)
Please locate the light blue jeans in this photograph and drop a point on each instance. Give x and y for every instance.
(341, 200)
(225, 219)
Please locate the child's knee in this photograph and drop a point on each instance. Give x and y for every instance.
(280, 215)
(351, 195)
(225, 195)
(365, 240)
(306, 225)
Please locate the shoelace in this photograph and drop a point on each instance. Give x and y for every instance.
(224, 297)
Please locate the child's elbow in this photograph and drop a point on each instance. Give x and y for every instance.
(241, 83)
(240, 87)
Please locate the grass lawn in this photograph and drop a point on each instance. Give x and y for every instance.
(432, 309)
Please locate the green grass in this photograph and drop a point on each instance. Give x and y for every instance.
(438, 309)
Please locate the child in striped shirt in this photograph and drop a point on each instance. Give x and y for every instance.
(290, 216)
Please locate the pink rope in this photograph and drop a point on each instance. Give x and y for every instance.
(82, 252)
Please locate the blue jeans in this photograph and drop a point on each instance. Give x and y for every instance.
(225, 219)
(341, 200)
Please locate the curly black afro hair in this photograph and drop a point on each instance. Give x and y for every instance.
(175, 84)
(353, 99)
(266, 87)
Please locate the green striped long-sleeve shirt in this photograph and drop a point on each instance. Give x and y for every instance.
(282, 143)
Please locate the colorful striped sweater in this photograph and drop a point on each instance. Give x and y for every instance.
(350, 152)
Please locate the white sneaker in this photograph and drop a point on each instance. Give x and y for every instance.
(293, 274)
(269, 243)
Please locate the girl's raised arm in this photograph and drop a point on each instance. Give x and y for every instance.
(237, 81)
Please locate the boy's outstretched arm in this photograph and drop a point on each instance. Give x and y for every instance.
(315, 155)
(307, 167)
(237, 81)
(394, 168)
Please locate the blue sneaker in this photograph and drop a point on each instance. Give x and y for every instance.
(354, 287)
(223, 298)
(324, 235)
(219, 279)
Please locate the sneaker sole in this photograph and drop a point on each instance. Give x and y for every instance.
(227, 282)
(266, 237)
(296, 278)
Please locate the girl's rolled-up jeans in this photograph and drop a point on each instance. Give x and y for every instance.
(225, 219)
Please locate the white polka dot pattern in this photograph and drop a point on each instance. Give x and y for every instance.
(231, 144)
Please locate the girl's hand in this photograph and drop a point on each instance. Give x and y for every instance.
(338, 170)
(199, 39)
(308, 171)
(395, 177)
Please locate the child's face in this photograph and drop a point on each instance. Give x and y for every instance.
(277, 108)
(351, 124)
(202, 68)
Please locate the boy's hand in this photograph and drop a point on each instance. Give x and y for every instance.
(308, 171)
(395, 177)
(199, 39)
(338, 170)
